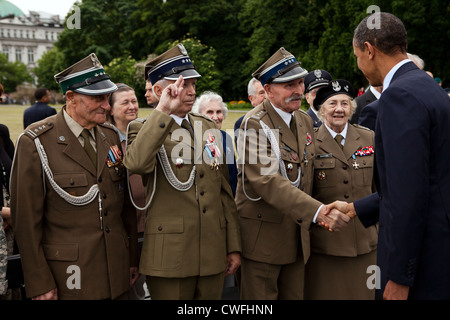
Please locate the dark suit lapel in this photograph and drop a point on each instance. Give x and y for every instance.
(73, 148)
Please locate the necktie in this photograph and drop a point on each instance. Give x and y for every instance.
(185, 124)
(293, 126)
(88, 147)
(338, 139)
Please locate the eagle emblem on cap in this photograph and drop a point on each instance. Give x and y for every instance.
(346, 88)
(318, 73)
(182, 49)
(336, 86)
(95, 62)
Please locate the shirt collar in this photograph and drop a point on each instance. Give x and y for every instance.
(334, 134)
(375, 92)
(74, 126)
(286, 116)
(178, 119)
(390, 75)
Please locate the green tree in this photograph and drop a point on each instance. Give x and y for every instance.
(13, 74)
(48, 65)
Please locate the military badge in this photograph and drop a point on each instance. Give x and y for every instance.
(213, 151)
(336, 86)
(321, 175)
(179, 162)
(114, 157)
(308, 138)
(365, 151)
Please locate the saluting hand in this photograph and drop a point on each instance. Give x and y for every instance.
(171, 97)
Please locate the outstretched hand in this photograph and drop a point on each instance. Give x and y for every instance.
(332, 218)
(341, 206)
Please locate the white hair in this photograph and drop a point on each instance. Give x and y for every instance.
(416, 59)
(251, 91)
(206, 97)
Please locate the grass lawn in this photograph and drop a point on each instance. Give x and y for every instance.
(12, 117)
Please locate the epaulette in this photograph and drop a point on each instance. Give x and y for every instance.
(195, 114)
(258, 115)
(108, 125)
(36, 129)
(300, 110)
(360, 126)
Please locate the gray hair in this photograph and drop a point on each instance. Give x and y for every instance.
(416, 59)
(202, 101)
(251, 87)
(389, 37)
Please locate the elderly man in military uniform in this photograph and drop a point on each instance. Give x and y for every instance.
(315, 80)
(191, 237)
(273, 198)
(72, 217)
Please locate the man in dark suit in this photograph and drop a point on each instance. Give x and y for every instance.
(372, 94)
(315, 80)
(412, 144)
(40, 110)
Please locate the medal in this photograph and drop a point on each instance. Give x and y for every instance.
(321, 175)
(213, 151)
(179, 162)
(308, 139)
(114, 158)
(355, 164)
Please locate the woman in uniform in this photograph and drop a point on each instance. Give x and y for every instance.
(343, 170)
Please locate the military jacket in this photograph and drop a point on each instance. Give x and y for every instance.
(272, 210)
(85, 251)
(191, 222)
(347, 175)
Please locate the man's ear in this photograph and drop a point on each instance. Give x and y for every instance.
(268, 89)
(70, 96)
(158, 89)
(369, 49)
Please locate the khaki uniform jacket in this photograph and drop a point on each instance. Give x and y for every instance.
(336, 178)
(186, 233)
(270, 226)
(64, 245)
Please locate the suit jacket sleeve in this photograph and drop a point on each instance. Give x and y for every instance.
(406, 197)
(368, 116)
(368, 209)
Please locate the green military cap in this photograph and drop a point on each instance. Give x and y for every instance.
(280, 67)
(170, 65)
(87, 76)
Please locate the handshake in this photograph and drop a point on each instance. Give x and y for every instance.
(336, 215)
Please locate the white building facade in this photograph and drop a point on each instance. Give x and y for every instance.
(25, 38)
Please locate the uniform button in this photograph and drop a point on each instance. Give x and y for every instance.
(202, 193)
(160, 228)
(201, 175)
(104, 196)
(162, 124)
(71, 182)
(105, 213)
(259, 215)
(100, 179)
(345, 181)
(344, 167)
(107, 229)
(346, 196)
(204, 210)
(299, 220)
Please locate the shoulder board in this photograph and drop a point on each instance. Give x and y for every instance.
(36, 129)
(259, 114)
(108, 125)
(303, 111)
(361, 127)
(195, 114)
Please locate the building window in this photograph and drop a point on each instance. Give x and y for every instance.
(30, 55)
(19, 54)
(6, 52)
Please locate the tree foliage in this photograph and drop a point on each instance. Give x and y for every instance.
(239, 35)
(13, 74)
